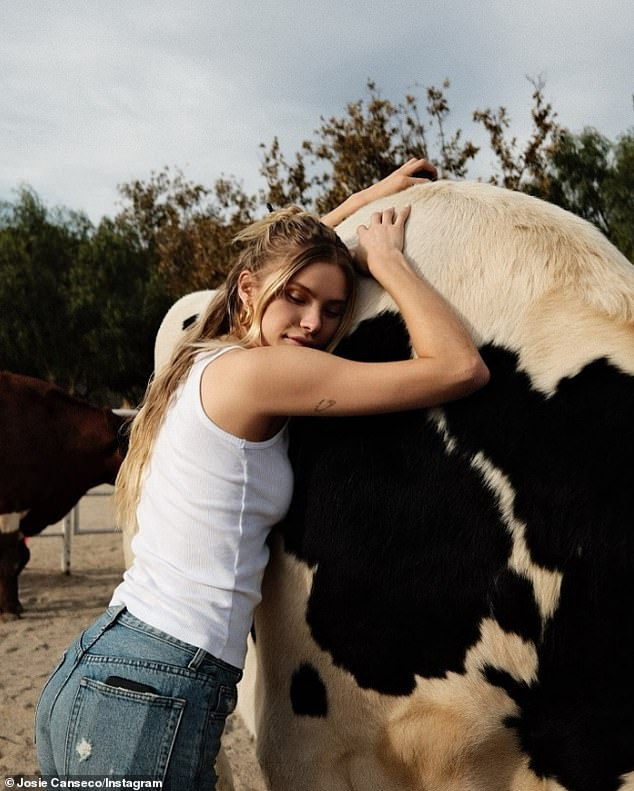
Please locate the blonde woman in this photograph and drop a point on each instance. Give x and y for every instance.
(146, 689)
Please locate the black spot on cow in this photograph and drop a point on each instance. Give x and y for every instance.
(365, 509)
(517, 690)
(189, 321)
(308, 692)
(404, 577)
(513, 605)
(569, 459)
(566, 456)
(381, 339)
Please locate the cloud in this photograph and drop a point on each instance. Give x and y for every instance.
(95, 94)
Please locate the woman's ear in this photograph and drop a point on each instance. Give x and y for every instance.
(245, 287)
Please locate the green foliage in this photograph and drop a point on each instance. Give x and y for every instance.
(620, 189)
(118, 299)
(36, 257)
(80, 304)
(593, 177)
(365, 145)
(184, 227)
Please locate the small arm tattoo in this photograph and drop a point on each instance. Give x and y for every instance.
(324, 404)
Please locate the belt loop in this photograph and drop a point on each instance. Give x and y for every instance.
(112, 614)
(197, 661)
(117, 609)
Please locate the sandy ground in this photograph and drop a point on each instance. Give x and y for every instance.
(56, 608)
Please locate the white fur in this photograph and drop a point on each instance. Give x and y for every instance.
(171, 328)
(516, 269)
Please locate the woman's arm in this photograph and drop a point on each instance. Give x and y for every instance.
(398, 180)
(271, 381)
(437, 334)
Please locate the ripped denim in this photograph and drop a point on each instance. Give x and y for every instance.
(128, 700)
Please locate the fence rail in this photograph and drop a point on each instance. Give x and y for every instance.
(70, 525)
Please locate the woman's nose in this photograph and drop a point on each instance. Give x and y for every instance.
(311, 320)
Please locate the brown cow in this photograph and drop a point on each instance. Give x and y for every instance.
(53, 448)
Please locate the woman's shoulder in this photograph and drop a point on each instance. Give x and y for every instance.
(213, 352)
(207, 356)
(231, 395)
(257, 365)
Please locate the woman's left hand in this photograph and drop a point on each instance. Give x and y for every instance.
(415, 171)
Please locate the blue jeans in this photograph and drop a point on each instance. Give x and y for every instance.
(129, 700)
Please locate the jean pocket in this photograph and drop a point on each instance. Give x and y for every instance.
(121, 731)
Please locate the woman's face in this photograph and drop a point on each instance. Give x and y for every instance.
(310, 310)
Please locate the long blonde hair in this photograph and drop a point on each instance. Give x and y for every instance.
(286, 241)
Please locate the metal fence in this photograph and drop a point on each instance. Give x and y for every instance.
(70, 525)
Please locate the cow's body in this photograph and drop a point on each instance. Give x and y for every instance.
(54, 448)
(449, 604)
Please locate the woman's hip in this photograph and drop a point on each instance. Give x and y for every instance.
(121, 675)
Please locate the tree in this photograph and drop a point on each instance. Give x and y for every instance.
(36, 253)
(620, 190)
(185, 227)
(118, 299)
(361, 147)
(522, 168)
(80, 306)
(593, 177)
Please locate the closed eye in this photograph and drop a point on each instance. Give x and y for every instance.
(296, 299)
(333, 309)
(334, 312)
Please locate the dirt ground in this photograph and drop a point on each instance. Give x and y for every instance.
(56, 608)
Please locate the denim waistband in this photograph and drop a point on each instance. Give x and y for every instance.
(200, 659)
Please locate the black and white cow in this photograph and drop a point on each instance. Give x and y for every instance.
(449, 603)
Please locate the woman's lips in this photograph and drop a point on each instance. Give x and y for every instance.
(300, 341)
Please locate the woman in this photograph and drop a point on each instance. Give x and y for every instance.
(146, 689)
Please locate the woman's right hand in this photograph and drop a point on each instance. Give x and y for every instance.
(381, 241)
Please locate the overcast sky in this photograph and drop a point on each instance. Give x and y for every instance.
(94, 93)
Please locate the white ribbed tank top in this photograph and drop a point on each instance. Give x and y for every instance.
(207, 504)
